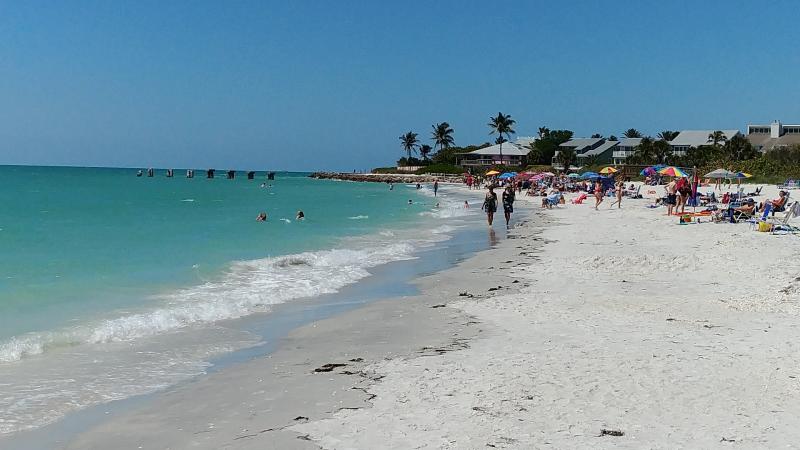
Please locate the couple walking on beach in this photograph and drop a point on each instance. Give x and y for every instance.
(490, 204)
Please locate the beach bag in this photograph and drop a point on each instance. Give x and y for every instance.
(764, 227)
(685, 219)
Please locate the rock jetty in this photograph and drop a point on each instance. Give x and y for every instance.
(387, 177)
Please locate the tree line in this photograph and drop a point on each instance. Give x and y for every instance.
(718, 152)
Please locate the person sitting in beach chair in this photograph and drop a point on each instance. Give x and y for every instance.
(779, 204)
(744, 212)
(551, 200)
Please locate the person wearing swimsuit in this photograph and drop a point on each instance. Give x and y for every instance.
(598, 193)
(508, 203)
(490, 205)
(620, 188)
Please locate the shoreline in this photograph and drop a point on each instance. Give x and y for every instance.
(98, 416)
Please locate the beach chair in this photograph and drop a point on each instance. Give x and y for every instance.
(781, 223)
(764, 216)
(579, 200)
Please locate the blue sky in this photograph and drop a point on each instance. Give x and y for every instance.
(331, 85)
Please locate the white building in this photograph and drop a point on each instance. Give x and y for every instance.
(625, 148)
(774, 135)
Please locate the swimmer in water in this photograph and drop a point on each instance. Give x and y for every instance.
(437, 205)
(263, 185)
(466, 204)
(410, 202)
(261, 217)
(300, 215)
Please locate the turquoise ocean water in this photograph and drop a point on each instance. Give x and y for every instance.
(113, 285)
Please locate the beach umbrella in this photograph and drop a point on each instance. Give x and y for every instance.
(720, 173)
(672, 171)
(609, 169)
(742, 175)
(647, 171)
(589, 175)
(492, 172)
(507, 175)
(547, 174)
(574, 175)
(658, 167)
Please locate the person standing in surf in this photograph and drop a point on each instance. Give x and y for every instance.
(508, 202)
(435, 187)
(490, 205)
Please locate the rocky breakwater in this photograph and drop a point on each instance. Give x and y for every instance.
(386, 177)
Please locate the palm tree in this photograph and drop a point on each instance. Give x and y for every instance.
(566, 157)
(597, 135)
(716, 137)
(632, 133)
(425, 150)
(667, 135)
(612, 138)
(409, 141)
(442, 135)
(644, 154)
(502, 125)
(544, 132)
(662, 151)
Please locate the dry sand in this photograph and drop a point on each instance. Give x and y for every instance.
(677, 336)
(623, 320)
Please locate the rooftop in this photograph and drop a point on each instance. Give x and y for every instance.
(579, 143)
(509, 149)
(696, 138)
(630, 142)
(600, 149)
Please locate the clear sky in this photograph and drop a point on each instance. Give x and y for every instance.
(332, 84)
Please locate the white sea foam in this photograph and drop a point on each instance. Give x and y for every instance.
(359, 217)
(246, 288)
(188, 200)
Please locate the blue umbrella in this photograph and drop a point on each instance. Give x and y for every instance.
(574, 175)
(648, 171)
(589, 175)
(508, 175)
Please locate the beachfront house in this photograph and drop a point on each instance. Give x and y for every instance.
(512, 155)
(625, 148)
(772, 136)
(695, 138)
(595, 150)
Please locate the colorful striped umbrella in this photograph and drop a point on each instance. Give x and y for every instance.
(743, 175)
(607, 170)
(672, 171)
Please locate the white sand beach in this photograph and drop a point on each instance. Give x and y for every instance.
(671, 336)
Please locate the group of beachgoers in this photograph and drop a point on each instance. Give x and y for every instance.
(678, 193)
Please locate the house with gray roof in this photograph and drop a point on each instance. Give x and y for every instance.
(512, 155)
(695, 138)
(772, 136)
(625, 148)
(599, 149)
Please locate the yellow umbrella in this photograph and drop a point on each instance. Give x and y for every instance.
(607, 170)
(492, 172)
